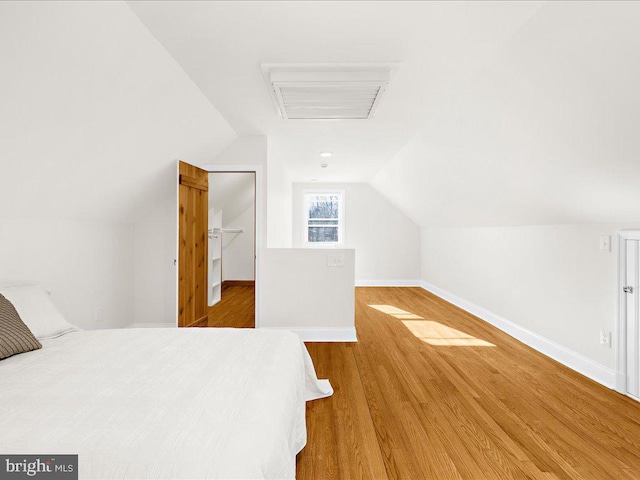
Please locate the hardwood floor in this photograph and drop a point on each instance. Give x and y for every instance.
(430, 391)
(235, 309)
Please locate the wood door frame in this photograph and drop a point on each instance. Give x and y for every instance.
(259, 224)
(620, 343)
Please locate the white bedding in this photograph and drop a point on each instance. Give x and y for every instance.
(162, 403)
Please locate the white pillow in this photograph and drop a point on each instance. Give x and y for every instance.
(37, 311)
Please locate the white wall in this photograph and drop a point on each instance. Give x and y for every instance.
(279, 198)
(94, 114)
(155, 273)
(86, 265)
(302, 293)
(238, 248)
(551, 280)
(386, 241)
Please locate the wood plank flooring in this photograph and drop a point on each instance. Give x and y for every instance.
(430, 391)
(235, 309)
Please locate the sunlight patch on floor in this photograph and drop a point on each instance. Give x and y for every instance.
(437, 334)
(396, 312)
(433, 333)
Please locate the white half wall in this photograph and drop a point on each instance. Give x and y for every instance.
(86, 266)
(549, 286)
(386, 241)
(300, 292)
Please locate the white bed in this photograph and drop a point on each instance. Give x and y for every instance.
(162, 403)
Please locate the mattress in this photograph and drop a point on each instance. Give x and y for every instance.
(162, 403)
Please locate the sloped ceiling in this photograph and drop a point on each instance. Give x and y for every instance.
(232, 193)
(502, 113)
(94, 113)
(546, 133)
(222, 44)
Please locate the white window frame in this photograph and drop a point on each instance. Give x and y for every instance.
(341, 218)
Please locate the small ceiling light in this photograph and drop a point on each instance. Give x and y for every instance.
(314, 180)
(324, 165)
(326, 154)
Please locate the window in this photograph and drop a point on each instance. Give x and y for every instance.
(323, 217)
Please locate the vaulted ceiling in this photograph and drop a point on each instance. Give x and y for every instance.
(501, 113)
(438, 45)
(547, 132)
(231, 193)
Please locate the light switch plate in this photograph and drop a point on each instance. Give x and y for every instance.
(335, 260)
(605, 243)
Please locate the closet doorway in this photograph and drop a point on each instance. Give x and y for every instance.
(232, 249)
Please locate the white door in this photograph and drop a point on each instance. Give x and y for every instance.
(630, 287)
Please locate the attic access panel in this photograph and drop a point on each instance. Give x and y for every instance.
(326, 92)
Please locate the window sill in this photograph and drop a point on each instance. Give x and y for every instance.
(323, 245)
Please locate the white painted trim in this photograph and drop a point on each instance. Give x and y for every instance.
(629, 234)
(571, 359)
(259, 220)
(152, 325)
(323, 334)
(212, 168)
(388, 283)
(620, 331)
(176, 242)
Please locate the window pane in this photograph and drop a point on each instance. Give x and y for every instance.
(323, 234)
(323, 206)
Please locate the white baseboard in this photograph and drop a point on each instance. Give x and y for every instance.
(323, 334)
(581, 364)
(388, 283)
(152, 325)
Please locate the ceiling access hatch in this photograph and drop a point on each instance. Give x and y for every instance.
(327, 91)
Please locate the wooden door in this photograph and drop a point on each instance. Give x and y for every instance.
(193, 201)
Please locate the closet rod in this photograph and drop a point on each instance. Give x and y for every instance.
(226, 230)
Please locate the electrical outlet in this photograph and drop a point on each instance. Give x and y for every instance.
(335, 260)
(605, 338)
(99, 315)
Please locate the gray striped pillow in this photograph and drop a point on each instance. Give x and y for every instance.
(15, 336)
